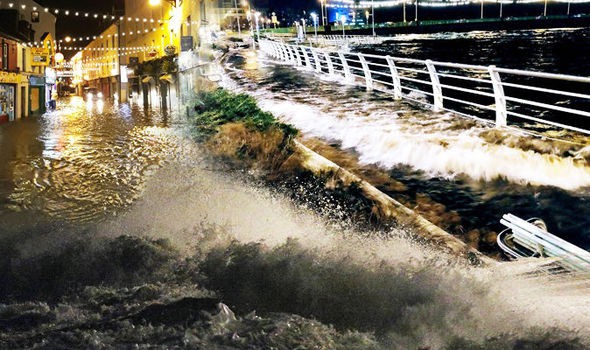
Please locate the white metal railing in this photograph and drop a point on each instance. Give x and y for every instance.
(541, 243)
(484, 92)
(338, 40)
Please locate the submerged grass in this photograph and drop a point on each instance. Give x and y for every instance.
(218, 107)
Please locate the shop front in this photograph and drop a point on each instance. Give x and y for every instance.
(36, 94)
(8, 83)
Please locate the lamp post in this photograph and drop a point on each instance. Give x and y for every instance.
(314, 16)
(322, 6)
(303, 28)
(545, 9)
(342, 20)
(404, 8)
(416, 13)
(237, 17)
(373, 16)
(481, 9)
(256, 16)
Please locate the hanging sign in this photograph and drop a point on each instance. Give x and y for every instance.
(39, 56)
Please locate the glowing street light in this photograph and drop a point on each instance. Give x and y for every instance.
(256, 16)
(343, 20)
(314, 16)
(237, 17)
(322, 7)
(373, 16)
(303, 27)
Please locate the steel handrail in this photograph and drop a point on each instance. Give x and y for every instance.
(405, 74)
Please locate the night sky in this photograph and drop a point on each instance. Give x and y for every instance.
(81, 26)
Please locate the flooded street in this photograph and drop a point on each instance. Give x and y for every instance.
(80, 162)
(117, 230)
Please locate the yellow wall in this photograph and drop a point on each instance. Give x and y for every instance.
(100, 58)
(168, 25)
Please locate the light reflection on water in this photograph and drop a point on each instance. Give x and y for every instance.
(82, 161)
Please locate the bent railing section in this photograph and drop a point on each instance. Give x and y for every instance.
(346, 39)
(489, 93)
(539, 242)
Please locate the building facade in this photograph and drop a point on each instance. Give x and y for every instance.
(26, 51)
(98, 64)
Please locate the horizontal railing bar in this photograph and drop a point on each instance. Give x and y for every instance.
(377, 64)
(475, 92)
(470, 103)
(404, 69)
(416, 90)
(544, 105)
(416, 80)
(550, 91)
(460, 65)
(544, 121)
(452, 76)
(543, 75)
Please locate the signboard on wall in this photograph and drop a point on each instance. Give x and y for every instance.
(39, 56)
(186, 43)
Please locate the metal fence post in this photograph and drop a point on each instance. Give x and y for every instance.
(297, 55)
(500, 98)
(366, 71)
(307, 62)
(286, 52)
(395, 80)
(436, 88)
(329, 61)
(316, 59)
(345, 67)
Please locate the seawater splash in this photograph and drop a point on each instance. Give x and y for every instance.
(411, 295)
(197, 225)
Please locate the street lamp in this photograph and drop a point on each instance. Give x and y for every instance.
(303, 27)
(482, 9)
(545, 9)
(237, 17)
(373, 16)
(404, 7)
(322, 6)
(256, 16)
(314, 16)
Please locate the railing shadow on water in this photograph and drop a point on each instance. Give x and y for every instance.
(529, 99)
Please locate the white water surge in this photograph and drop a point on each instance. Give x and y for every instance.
(389, 133)
(388, 140)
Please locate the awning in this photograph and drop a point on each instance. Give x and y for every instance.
(147, 79)
(168, 78)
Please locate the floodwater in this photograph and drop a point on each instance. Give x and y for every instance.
(116, 230)
(468, 166)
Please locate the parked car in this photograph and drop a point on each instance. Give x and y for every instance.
(92, 94)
